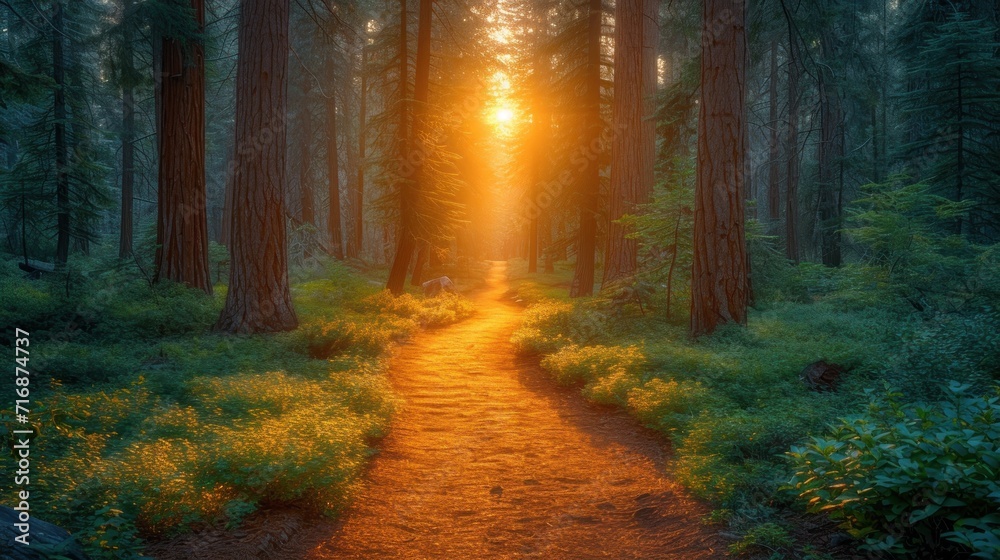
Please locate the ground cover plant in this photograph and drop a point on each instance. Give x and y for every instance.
(149, 423)
(751, 437)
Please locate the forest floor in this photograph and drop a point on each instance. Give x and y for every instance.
(489, 458)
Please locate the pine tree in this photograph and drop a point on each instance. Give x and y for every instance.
(953, 115)
(719, 287)
(259, 299)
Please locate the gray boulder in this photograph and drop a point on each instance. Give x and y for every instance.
(434, 287)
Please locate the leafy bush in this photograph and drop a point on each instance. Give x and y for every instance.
(909, 477)
(767, 536)
(959, 347)
(151, 423)
(574, 364)
(543, 328)
(325, 339)
(667, 405)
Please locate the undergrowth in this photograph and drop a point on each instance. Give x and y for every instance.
(732, 404)
(150, 424)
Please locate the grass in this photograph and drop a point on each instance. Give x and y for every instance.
(150, 424)
(732, 403)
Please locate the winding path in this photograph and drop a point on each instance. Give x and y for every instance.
(488, 459)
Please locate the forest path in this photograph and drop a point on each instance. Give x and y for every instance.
(489, 459)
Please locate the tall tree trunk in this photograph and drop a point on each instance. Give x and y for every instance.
(546, 241)
(540, 130)
(590, 178)
(421, 90)
(773, 179)
(226, 230)
(182, 221)
(128, 137)
(719, 286)
(792, 148)
(333, 221)
(633, 147)
(418, 266)
(259, 299)
(307, 201)
(405, 241)
(829, 218)
(359, 196)
(59, 113)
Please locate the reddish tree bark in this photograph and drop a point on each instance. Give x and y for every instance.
(182, 217)
(259, 299)
(719, 285)
(633, 147)
(421, 91)
(405, 241)
(590, 178)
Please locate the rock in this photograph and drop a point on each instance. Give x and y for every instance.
(45, 540)
(434, 287)
(821, 376)
(497, 491)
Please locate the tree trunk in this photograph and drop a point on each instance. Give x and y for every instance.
(541, 124)
(792, 148)
(719, 287)
(405, 242)
(226, 231)
(182, 221)
(773, 179)
(333, 221)
(128, 138)
(59, 113)
(589, 181)
(359, 206)
(829, 139)
(307, 201)
(418, 266)
(259, 299)
(421, 90)
(633, 146)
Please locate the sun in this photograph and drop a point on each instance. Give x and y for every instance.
(504, 115)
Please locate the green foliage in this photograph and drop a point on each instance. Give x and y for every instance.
(767, 536)
(903, 228)
(908, 477)
(667, 405)
(152, 423)
(960, 347)
(952, 111)
(608, 372)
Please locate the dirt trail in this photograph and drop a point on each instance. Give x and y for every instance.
(488, 459)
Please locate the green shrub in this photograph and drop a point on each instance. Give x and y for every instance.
(767, 536)
(959, 347)
(667, 405)
(138, 311)
(909, 477)
(325, 339)
(75, 363)
(574, 364)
